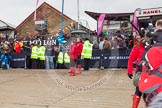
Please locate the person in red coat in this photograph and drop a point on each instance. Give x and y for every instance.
(150, 82)
(135, 55)
(79, 48)
(73, 57)
(17, 47)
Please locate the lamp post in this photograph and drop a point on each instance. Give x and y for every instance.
(62, 19)
(78, 13)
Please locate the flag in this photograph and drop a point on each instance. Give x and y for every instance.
(35, 13)
(135, 20)
(100, 22)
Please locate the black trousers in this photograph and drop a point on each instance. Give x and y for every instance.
(86, 63)
(137, 92)
(66, 65)
(41, 64)
(101, 61)
(28, 62)
(60, 66)
(79, 60)
(34, 64)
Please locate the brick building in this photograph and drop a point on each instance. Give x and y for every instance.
(53, 17)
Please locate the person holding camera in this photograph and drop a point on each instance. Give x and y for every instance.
(135, 55)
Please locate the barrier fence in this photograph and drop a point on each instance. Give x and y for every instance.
(111, 58)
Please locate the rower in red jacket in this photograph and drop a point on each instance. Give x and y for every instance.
(151, 82)
(73, 57)
(135, 55)
(80, 47)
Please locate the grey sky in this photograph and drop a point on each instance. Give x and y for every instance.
(15, 11)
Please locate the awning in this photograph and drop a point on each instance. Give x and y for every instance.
(110, 16)
(6, 26)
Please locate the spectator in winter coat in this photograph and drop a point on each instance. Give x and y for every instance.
(56, 53)
(107, 44)
(27, 51)
(49, 53)
(95, 44)
(5, 59)
(120, 42)
(17, 46)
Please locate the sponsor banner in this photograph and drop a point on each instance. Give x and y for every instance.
(149, 12)
(115, 58)
(18, 60)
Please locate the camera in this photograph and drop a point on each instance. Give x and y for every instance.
(139, 65)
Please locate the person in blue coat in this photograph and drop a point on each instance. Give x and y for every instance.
(5, 60)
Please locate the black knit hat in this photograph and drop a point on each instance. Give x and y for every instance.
(157, 36)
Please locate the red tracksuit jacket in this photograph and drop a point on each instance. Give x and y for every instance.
(73, 52)
(80, 47)
(149, 82)
(135, 55)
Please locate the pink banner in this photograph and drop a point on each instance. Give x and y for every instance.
(35, 13)
(100, 22)
(135, 20)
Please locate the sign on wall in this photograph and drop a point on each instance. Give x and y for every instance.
(149, 12)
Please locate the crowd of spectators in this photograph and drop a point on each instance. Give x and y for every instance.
(52, 51)
(114, 42)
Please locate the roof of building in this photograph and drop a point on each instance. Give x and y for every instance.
(38, 9)
(110, 16)
(6, 26)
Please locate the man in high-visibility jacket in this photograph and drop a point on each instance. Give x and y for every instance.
(60, 60)
(41, 56)
(34, 56)
(66, 60)
(87, 53)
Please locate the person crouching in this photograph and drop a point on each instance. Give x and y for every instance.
(5, 57)
(73, 57)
